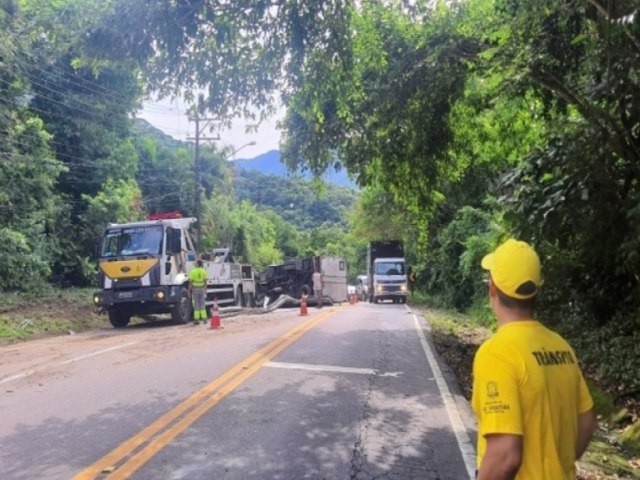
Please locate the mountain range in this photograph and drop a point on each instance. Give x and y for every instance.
(270, 163)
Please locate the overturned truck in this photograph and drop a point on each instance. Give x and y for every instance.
(294, 277)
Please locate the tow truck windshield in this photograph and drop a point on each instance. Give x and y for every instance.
(132, 241)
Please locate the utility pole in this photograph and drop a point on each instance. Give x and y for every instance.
(196, 168)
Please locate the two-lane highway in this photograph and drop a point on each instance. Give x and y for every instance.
(350, 392)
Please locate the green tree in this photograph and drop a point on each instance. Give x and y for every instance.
(28, 169)
(85, 104)
(228, 58)
(218, 225)
(255, 237)
(12, 58)
(451, 271)
(165, 176)
(119, 201)
(28, 172)
(578, 190)
(288, 237)
(298, 201)
(385, 119)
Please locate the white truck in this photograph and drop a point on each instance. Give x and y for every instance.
(386, 271)
(144, 267)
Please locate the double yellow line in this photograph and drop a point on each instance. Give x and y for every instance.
(129, 456)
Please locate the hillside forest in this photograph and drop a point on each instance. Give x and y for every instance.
(463, 123)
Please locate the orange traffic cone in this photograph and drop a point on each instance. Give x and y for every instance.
(215, 316)
(303, 305)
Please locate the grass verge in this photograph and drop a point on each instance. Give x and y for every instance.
(47, 312)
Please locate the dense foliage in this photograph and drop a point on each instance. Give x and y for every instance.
(294, 199)
(71, 159)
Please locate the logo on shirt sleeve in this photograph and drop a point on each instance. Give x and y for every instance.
(492, 390)
(493, 403)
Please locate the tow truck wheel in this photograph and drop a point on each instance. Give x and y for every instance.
(181, 311)
(118, 318)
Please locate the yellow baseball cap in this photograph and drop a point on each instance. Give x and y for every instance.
(515, 269)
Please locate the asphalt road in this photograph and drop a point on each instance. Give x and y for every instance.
(347, 392)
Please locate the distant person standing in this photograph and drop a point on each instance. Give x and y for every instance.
(318, 285)
(198, 292)
(535, 413)
(411, 276)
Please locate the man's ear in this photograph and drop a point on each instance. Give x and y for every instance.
(493, 291)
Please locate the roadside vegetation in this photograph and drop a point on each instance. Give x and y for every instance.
(48, 312)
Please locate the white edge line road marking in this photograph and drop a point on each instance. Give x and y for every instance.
(320, 368)
(330, 368)
(464, 442)
(66, 362)
(17, 376)
(95, 354)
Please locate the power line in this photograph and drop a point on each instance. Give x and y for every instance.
(75, 100)
(98, 88)
(90, 110)
(87, 85)
(75, 79)
(36, 81)
(93, 112)
(45, 113)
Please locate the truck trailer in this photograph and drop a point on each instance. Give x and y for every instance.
(386, 271)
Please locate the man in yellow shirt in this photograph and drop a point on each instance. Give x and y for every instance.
(535, 413)
(198, 291)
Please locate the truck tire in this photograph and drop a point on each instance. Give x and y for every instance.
(119, 318)
(238, 299)
(181, 311)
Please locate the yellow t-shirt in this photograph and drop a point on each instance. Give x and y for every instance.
(527, 382)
